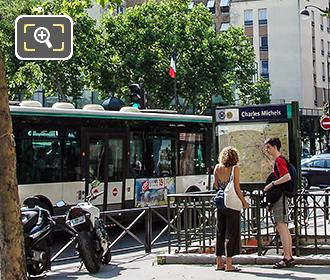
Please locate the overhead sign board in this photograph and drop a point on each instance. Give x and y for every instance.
(252, 113)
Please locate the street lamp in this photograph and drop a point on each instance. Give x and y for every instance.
(305, 13)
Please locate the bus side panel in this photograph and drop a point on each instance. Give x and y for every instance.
(114, 193)
(53, 191)
(129, 192)
(191, 183)
(73, 192)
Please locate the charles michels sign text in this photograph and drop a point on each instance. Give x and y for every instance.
(272, 112)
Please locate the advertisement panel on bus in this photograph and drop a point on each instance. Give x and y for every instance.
(153, 191)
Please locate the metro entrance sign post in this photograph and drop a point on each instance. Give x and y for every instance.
(247, 127)
(325, 122)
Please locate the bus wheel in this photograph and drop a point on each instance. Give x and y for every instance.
(193, 189)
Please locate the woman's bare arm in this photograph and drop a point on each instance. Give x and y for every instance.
(216, 177)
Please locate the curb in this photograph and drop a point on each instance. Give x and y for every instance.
(240, 259)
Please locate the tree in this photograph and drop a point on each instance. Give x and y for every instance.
(138, 46)
(67, 79)
(11, 236)
(111, 3)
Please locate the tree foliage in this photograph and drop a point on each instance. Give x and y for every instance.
(65, 78)
(138, 46)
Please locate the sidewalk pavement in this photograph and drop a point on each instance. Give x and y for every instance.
(141, 266)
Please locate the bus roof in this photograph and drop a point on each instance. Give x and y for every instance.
(79, 113)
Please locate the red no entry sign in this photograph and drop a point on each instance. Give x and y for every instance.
(325, 122)
(114, 191)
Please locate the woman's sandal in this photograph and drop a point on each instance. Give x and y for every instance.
(290, 262)
(284, 263)
(218, 268)
(234, 269)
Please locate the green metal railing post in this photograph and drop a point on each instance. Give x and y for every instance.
(296, 229)
(169, 223)
(258, 226)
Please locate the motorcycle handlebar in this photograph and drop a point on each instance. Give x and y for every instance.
(93, 196)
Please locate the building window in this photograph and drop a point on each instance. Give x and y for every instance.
(313, 17)
(248, 17)
(328, 24)
(120, 9)
(324, 96)
(224, 26)
(322, 47)
(328, 48)
(321, 20)
(264, 69)
(263, 43)
(224, 6)
(211, 6)
(262, 14)
(323, 71)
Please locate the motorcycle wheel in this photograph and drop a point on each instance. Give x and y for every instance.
(37, 268)
(88, 252)
(107, 257)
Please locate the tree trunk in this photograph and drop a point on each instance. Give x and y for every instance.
(12, 257)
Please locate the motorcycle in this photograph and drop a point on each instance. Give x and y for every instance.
(37, 227)
(93, 241)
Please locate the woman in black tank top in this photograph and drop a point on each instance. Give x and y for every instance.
(228, 220)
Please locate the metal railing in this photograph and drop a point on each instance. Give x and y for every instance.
(189, 224)
(193, 224)
(128, 222)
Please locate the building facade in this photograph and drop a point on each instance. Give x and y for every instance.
(292, 52)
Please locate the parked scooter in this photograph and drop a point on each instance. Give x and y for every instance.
(92, 238)
(37, 226)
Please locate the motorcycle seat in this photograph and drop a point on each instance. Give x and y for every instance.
(29, 220)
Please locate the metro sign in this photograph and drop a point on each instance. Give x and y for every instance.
(325, 122)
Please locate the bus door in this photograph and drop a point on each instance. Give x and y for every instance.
(105, 164)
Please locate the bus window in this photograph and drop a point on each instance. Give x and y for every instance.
(96, 157)
(191, 154)
(71, 157)
(25, 161)
(53, 161)
(115, 159)
(136, 158)
(39, 159)
(160, 157)
(45, 156)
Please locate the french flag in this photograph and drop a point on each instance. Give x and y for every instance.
(172, 66)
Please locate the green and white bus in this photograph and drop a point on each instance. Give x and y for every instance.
(138, 156)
